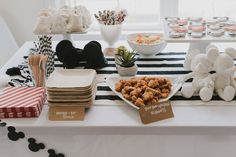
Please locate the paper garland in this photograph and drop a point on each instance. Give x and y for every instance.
(15, 135)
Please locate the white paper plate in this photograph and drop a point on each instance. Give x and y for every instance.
(71, 78)
(113, 79)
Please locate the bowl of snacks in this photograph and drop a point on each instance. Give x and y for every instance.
(147, 44)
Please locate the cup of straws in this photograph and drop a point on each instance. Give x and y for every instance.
(110, 26)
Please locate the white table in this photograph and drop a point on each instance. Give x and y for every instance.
(116, 130)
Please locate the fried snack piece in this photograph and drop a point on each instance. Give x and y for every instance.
(128, 89)
(164, 95)
(148, 96)
(127, 96)
(154, 91)
(153, 101)
(139, 102)
(145, 90)
(134, 98)
(118, 86)
(153, 83)
(136, 92)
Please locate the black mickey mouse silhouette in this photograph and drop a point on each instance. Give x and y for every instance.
(72, 57)
(94, 56)
(13, 135)
(2, 124)
(52, 153)
(33, 146)
(68, 54)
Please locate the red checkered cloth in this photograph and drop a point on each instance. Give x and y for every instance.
(19, 102)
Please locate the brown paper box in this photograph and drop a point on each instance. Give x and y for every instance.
(66, 113)
(156, 112)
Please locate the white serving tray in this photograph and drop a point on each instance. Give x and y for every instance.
(113, 79)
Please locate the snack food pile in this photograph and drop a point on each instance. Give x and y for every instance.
(198, 27)
(144, 91)
(147, 39)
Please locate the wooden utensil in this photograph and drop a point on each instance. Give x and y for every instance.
(34, 65)
(42, 69)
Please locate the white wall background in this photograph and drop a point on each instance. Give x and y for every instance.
(20, 15)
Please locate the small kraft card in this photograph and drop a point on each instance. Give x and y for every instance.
(66, 113)
(156, 112)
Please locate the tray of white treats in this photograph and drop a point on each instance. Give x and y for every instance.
(218, 29)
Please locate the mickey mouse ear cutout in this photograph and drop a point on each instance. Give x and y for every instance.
(2, 124)
(13, 135)
(94, 56)
(11, 129)
(68, 54)
(71, 57)
(97, 43)
(63, 48)
(31, 140)
(33, 146)
(52, 153)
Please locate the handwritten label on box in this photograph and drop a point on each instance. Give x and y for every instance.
(66, 113)
(156, 112)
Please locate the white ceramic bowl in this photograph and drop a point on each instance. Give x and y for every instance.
(146, 49)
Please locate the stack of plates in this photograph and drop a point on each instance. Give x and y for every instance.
(71, 87)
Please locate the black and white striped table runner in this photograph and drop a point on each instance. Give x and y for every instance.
(166, 63)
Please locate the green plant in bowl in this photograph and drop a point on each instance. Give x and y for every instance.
(125, 61)
(124, 57)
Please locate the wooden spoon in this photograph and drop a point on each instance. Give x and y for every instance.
(34, 64)
(42, 69)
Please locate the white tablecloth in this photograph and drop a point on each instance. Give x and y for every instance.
(116, 130)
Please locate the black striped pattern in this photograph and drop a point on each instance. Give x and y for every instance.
(166, 63)
(45, 48)
(174, 98)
